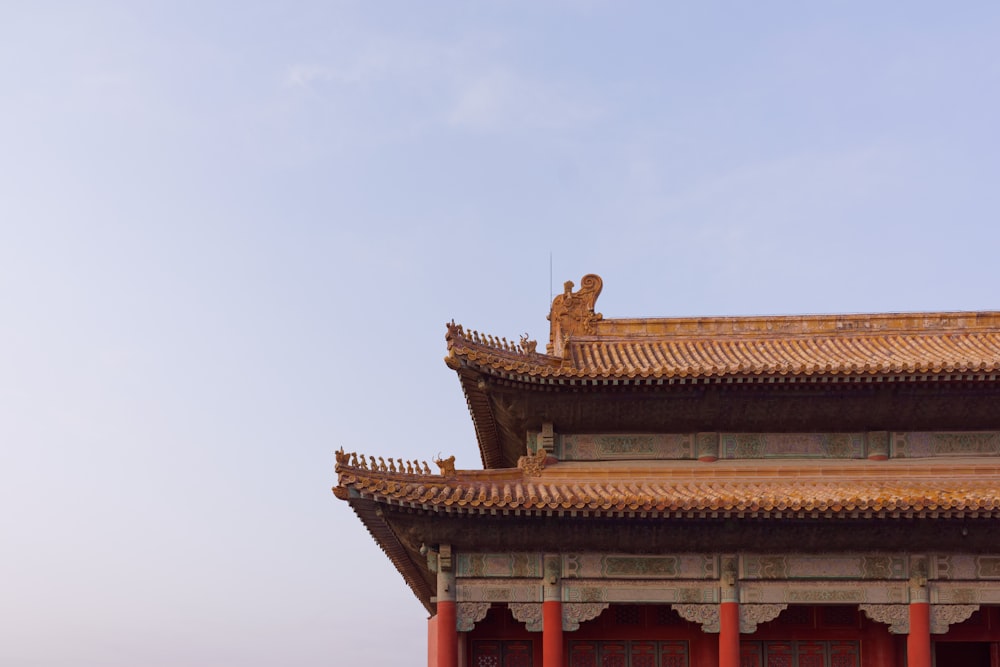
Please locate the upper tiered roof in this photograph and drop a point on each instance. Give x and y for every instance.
(588, 353)
(585, 346)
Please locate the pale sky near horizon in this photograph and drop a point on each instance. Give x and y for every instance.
(231, 234)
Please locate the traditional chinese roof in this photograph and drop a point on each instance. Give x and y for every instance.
(585, 346)
(788, 489)
(799, 505)
(587, 351)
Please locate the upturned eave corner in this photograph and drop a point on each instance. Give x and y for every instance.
(479, 359)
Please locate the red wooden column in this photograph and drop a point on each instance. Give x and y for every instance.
(432, 638)
(729, 616)
(552, 629)
(447, 623)
(918, 642)
(552, 634)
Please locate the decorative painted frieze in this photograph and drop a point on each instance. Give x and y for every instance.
(954, 566)
(967, 592)
(707, 615)
(832, 595)
(897, 616)
(529, 613)
(988, 567)
(793, 445)
(753, 614)
(823, 592)
(869, 578)
(507, 565)
(575, 613)
(629, 566)
(467, 614)
(626, 592)
(848, 566)
(640, 567)
(914, 445)
(879, 448)
(628, 446)
(499, 590)
(709, 446)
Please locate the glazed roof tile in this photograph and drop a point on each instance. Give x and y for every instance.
(583, 345)
(819, 489)
(889, 353)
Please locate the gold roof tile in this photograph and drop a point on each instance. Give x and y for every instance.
(585, 345)
(726, 487)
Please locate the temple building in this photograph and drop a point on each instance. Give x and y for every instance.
(795, 491)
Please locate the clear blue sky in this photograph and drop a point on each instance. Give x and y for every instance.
(231, 234)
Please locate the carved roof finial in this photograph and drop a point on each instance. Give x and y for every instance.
(573, 312)
(447, 465)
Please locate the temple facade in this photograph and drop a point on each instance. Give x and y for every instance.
(797, 491)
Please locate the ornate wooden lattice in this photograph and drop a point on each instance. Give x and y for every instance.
(839, 615)
(515, 653)
(667, 616)
(628, 615)
(637, 653)
(799, 654)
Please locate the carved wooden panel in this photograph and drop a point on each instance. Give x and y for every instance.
(779, 654)
(673, 654)
(469, 613)
(751, 654)
(486, 654)
(516, 654)
(614, 654)
(583, 654)
(512, 653)
(844, 654)
(811, 654)
(799, 654)
(638, 653)
(642, 654)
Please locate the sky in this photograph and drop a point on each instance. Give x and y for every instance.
(231, 234)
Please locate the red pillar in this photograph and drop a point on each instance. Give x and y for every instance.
(918, 642)
(552, 634)
(447, 635)
(432, 638)
(447, 626)
(729, 634)
(552, 628)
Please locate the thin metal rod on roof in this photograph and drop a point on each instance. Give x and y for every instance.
(551, 296)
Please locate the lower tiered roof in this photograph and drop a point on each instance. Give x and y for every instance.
(739, 488)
